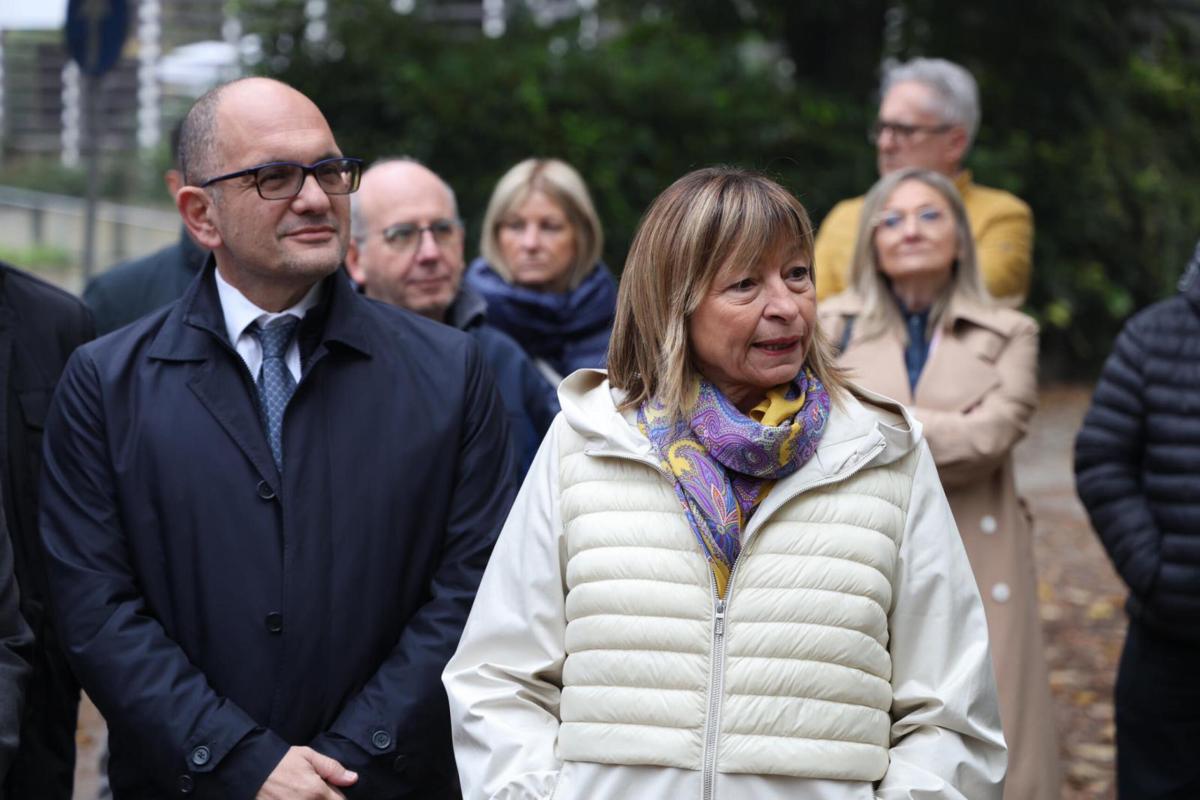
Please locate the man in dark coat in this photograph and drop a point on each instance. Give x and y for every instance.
(1137, 470)
(406, 249)
(15, 643)
(40, 326)
(133, 289)
(267, 506)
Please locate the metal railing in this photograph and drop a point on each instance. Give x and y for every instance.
(50, 227)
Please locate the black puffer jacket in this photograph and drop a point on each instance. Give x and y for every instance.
(1137, 461)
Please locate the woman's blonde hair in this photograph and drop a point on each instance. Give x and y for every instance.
(706, 219)
(559, 181)
(880, 312)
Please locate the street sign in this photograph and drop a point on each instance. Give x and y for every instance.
(95, 32)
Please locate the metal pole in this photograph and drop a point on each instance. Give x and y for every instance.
(91, 126)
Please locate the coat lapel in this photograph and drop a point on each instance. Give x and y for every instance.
(878, 363)
(193, 336)
(955, 377)
(961, 369)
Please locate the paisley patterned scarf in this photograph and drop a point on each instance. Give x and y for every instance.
(725, 462)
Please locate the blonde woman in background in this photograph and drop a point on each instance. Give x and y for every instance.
(540, 268)
(917, 325)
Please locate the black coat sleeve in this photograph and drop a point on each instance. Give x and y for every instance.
(1108, 467)
(16, 643)
(404, 702)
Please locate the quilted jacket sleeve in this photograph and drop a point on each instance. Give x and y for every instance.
(1108, 465)
(505, 680)
(946, 737)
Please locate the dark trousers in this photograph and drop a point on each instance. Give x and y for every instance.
(1158, 717)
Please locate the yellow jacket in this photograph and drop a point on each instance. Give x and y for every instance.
(1001, 223)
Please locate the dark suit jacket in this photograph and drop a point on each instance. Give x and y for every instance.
(530, 400)
(217, 611)
(40, 326)
(132, 289)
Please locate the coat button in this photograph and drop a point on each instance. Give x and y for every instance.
(186, 785)
(200, 756)
(275, 622)
(265, 491)
(988, 524)
(400, 764)
(1001, 592)
(381, 739)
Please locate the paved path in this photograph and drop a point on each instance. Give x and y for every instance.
(1081, 608)
(1081, 597)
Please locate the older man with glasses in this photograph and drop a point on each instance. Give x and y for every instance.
(928, 118)
(267, 507)
(406, 248)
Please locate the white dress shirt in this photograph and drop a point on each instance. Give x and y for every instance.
(240, 314)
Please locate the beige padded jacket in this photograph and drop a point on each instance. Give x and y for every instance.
(850, 651)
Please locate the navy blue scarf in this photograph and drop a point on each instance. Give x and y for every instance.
(567, 330)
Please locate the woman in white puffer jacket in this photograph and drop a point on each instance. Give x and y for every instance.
(728, 573)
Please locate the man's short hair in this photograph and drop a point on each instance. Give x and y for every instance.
(198, 137)
(955, 91)
(173, 139)
(358, 222)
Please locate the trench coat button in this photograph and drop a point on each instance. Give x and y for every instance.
(265, 491)
(381, 739)
(275, 622)
(400, 764)
(200, 756)
(988, 524)
(186, 784)
(1001, 592)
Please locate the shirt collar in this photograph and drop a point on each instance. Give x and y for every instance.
(240, 313)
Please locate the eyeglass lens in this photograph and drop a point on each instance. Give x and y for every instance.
(899, 130)
(926, 217)
(280, 181)
(407, 235)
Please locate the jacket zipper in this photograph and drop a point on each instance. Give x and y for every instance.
(716, 685)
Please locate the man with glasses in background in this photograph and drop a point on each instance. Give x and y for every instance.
(406, 248)
(267, 506)
(928, 118)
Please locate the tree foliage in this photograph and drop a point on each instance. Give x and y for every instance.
(1090, 112)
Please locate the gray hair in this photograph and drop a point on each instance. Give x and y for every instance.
(955, 91)
(358, 222)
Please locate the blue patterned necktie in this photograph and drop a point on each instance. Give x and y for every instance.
(275, 381)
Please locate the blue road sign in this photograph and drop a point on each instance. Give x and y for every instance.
(96, 31)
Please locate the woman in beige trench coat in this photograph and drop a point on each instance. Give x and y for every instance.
(918, 326)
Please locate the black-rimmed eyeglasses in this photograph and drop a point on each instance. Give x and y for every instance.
(283, 180)
(405, 236)
(901, 131)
